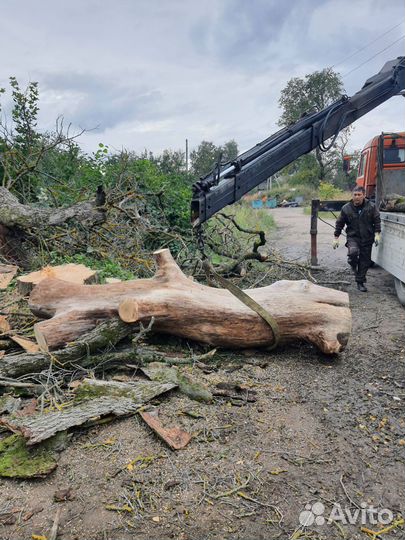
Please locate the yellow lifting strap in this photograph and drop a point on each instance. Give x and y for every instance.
(247, 300)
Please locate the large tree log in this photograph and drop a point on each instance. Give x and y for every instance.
(188, 309)
(24, 216)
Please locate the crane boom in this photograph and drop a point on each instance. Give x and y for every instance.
(228, 182)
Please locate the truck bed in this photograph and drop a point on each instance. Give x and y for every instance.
(390, 254)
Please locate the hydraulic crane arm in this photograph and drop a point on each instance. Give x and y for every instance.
(230, 181)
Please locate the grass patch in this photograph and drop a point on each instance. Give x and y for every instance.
(247, 217)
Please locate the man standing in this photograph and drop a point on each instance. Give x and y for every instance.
(363, 227)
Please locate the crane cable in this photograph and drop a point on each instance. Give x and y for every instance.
(236, 291)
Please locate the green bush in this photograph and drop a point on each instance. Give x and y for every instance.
(105, 267)
(328, 191)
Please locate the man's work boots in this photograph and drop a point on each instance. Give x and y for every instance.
(361, 287)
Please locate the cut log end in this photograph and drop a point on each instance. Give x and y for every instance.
(128, 310)
(74, 273)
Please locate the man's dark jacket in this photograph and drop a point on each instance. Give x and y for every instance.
(359, 225)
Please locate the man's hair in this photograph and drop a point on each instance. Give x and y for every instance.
(359, 188)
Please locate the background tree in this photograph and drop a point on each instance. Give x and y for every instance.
(204, 158)
(50, 212)
(23, 149)
(313, 93)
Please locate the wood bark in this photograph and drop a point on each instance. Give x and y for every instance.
(17, 221)
(84, 352)
(190, 310)
(13, 214)
(103, 397)
(174, 437)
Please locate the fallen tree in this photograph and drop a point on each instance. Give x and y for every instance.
(27, 216)
(20, 221)
(191, 310)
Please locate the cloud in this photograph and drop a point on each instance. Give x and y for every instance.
(91, 101)
(149, 73)
(240, 29)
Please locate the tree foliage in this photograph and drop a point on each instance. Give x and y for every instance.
(313, 93)
(147, 196)
(207, 154)
(23, 148)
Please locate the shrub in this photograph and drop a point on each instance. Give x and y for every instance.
(329, 191)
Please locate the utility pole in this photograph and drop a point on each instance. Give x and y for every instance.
(186, 155)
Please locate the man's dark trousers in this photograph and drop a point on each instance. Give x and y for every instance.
(359, 257)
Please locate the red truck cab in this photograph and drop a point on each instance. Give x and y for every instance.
(393, 160)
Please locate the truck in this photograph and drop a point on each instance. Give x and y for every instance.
(382, 174)
(229, 181)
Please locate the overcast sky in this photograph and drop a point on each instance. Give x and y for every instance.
(151, 73)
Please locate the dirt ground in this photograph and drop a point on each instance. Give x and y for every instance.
(322, 430)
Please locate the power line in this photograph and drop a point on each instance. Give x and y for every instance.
(367, 45)
(371, 57)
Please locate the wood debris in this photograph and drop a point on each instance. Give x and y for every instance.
(95, 399)
(157, 371)
(174, 437)
(28, 345)
(18, 461)
(7, 273)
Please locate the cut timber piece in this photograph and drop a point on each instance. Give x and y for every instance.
(28, 345)
(7, 272)
(175, 437)
(185, 308)
(74, 273)
(98, 398)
